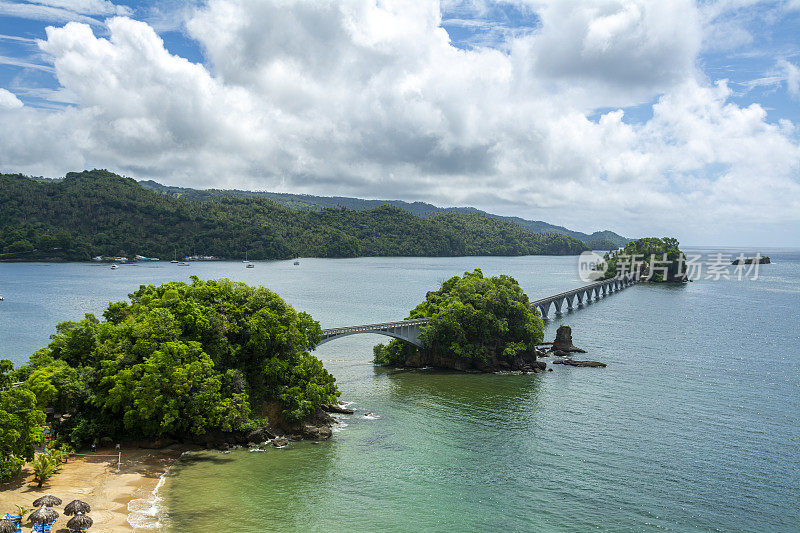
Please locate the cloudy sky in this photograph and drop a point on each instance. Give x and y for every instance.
(644, 117)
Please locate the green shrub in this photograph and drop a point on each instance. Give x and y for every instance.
(10, 467)
(45, 466)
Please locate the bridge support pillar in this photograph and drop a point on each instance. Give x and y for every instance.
(544, 308)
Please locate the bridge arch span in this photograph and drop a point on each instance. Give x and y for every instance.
(404, 330)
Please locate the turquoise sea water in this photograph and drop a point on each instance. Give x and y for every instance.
(693, 426)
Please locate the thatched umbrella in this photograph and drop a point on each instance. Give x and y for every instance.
(7, 526)
(77, 507)
(79, 521)
(43, 515)
(47, 500)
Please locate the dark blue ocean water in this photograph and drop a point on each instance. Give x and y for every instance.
(693, 426)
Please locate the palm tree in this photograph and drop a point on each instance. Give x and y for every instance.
(44, 467)
(22, 511)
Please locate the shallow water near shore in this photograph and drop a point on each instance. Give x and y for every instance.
(694, 424)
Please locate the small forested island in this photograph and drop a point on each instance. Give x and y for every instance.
(477, 323)
(750, 260)
(656, 260)
(97, 213)
(210, 362)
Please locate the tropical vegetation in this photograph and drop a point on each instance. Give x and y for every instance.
(97, 213)
(20, 424)
(177, 361)
(473, 318)
(608, 240)
(655, 260)
(45, 466)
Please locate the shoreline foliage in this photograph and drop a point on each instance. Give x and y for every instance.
(180, 360)
(97, 213)
(20, 424)
(474, 318)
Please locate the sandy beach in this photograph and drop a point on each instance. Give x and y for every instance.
(96, 481)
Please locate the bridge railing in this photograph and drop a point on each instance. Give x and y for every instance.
(367, 327)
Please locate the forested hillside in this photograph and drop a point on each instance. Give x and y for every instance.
(599, 240)
(99, 213)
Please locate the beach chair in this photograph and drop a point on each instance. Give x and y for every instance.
(45, 527)
(17, 519)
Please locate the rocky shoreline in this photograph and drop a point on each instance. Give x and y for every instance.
(524, 363)
(317, 426)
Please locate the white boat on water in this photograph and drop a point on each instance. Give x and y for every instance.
(183, 264)
(250, 265)
(114, 267)
(296, 263)
(174, 261)
(1, 298)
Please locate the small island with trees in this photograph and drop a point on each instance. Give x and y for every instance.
(655, 260)
(478, 323)
(210, 362)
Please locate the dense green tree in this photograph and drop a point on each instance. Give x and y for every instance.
(180, 360)
(473, 318)
(20, 423)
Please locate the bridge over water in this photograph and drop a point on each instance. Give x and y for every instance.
(409, 330)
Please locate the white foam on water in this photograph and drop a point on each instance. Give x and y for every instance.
(149, 513)
(372, 416)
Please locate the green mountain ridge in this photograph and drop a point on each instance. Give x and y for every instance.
(599, 240)
(100, 213)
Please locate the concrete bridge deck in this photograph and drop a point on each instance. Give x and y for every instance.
(409, 330)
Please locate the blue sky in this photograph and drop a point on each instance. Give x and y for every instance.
(522, 108)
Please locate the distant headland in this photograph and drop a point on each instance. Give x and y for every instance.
(100, 214)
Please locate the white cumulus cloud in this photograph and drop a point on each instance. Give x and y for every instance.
(8, 100)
